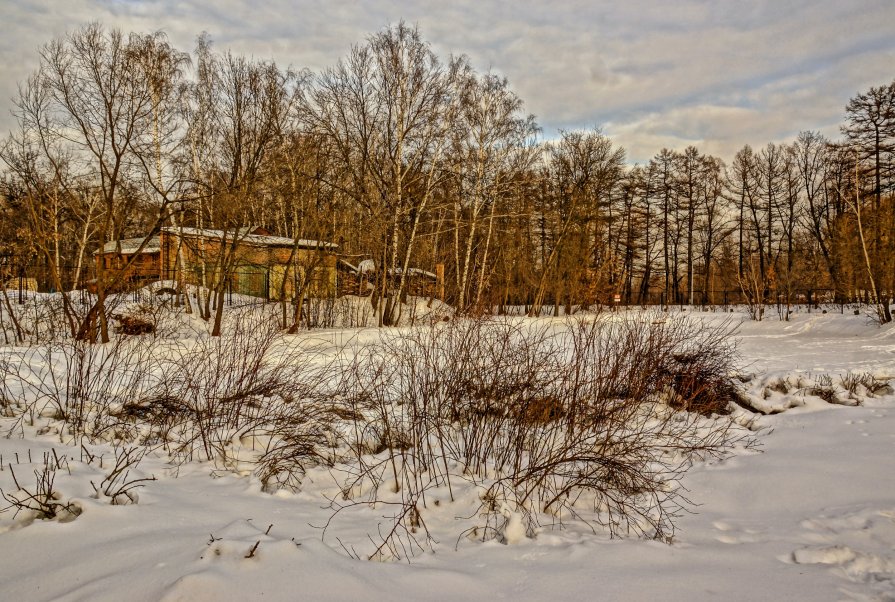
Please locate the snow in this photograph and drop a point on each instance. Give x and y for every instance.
(811, 515)
(129, 246)
(260, 240)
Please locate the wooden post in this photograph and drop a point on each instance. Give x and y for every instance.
(439, 280)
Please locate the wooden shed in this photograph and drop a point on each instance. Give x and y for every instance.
(256, 264)
(115, 256)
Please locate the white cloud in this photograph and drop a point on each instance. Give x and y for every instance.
(717, 73)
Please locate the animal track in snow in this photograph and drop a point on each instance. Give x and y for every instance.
(858, 545)
(734, 534)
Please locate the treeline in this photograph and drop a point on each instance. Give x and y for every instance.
(413, 160)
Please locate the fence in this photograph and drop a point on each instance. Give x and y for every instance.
(728, 297)
(808, 300)
(245, 284)
(261, 284)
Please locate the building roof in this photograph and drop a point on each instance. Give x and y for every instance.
(368, 266)
(414, 272)
(129, 246)
(253, 239)
(351, 267)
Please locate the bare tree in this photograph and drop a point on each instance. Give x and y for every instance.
(389, 107)
(664, 168)
(493, 142)
(870, 129)
(580, 172)
(97, 108)
(246, 107)
(715, 223)
(811, 155)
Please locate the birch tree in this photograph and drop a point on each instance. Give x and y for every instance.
(95, 105)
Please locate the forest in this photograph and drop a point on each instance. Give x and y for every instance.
(411, 161)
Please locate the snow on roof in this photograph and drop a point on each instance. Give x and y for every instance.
(348, 264)
(254, 239)
(129, 246)
(368, 266)
(414, 272)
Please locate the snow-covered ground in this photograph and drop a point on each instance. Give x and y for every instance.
(811, 516)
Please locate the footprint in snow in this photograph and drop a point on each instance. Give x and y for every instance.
(858, 545)
(733, 534)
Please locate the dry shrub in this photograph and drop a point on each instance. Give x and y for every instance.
(42, 500)
(591, 419)
(245, 400)
(219, 394)
(823, 388)
(857, 383)
(700, 373)
(80, 383)
(118, 485)
(550, 421)
(299, 436)
(83, 385)
(132, 325)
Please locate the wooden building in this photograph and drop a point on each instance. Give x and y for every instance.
(361, 280)
(255, 263)
(115, 256)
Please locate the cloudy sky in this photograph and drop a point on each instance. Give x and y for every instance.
(651, 73)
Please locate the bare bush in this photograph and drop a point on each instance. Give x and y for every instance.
(823, 388)
(132, 325)
(150, 310)
(42, 501)
(42, 318)
(321, 312)
(244, 389)
(78, 383)
(118, 486)
(353, 312)
(856, 383)
(298, 435)
(48, 317)
(244, 400)
(591, 419)
(576, 421)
